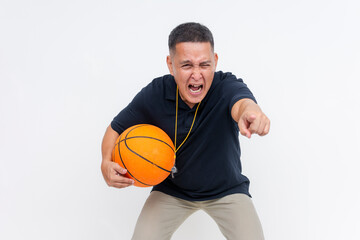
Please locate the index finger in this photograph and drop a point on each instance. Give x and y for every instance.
(121, 179)
(118, 168)
(244, 128)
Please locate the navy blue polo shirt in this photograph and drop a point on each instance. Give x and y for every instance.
(208, 163)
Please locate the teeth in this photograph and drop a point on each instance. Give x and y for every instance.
(195, 91)
(196, 86)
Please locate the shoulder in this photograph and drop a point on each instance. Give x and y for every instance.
(227, 78)
(158, 86)
(158, 90)
(231, 88)
(226, 82)
(160, 83)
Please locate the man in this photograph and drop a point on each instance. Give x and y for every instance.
(212, 107)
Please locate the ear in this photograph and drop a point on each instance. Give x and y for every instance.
(216, 59)
(170, 64)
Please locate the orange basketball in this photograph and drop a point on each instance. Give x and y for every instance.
(147, 153)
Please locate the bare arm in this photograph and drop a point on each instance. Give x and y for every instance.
(250, 118)
(112, 172)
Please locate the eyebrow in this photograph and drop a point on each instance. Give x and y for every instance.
(185, 62)
(188, 61)
(206, 62)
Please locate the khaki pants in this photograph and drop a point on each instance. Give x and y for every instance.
(162, 214)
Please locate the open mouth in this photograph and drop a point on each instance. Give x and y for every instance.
(195, 88)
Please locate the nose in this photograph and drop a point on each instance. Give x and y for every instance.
(196, 75)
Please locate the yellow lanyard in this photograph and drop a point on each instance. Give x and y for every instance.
(174, 169)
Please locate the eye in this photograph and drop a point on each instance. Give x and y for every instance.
(205, 65)
(186, 66)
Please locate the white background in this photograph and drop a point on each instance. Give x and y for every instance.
(68, 67)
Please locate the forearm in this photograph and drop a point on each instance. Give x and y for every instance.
(108, 143)
(112, 172)
(243, 105)
(250, 118)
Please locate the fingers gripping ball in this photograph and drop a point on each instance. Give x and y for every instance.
(147, 153)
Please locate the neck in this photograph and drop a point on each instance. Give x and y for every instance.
(191, 105)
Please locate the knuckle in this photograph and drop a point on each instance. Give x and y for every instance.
(111, 179)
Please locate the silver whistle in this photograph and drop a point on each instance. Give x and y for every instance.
(173, 171)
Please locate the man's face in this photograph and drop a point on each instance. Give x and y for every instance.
(193, 65)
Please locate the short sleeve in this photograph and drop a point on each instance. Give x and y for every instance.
(132, 114)
(235, 89)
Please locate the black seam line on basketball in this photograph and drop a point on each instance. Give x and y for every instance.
(146, 159)
(141, 125)
(139, 154)
(125, 165)
(128, 169)
(126, 138)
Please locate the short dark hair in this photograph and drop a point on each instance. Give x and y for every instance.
(190, 32)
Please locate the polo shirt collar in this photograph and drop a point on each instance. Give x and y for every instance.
(170, 88)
